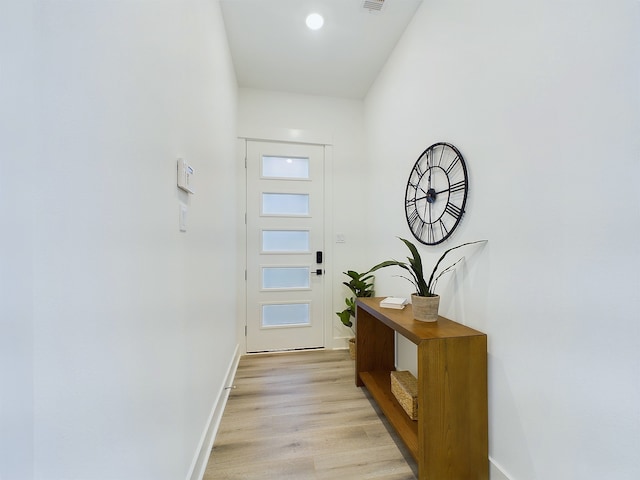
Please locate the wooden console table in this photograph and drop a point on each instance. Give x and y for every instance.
(449, 440)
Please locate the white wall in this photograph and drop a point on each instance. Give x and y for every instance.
(16, 241)
(126, 324)
(542, 98)
(340, 123)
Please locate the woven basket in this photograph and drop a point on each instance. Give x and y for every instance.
(404, 387)
(352, 348)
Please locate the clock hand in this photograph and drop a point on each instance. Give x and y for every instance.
(418, 187)
(429, 196)
(424, 215)
(454, 187)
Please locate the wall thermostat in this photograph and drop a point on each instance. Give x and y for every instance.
(185, 176)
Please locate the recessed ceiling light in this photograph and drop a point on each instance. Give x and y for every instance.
(315, 21)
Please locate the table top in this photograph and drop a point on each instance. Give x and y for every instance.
(403, 322)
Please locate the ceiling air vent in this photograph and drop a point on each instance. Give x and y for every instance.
(373, 6)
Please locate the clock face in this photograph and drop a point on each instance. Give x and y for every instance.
(436, 193)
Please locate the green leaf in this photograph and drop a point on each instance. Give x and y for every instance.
(414, 266)
(430, 285)
(345, 318)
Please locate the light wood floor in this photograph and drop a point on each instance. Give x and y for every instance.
(300, 416)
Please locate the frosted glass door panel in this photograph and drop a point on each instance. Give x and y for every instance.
(285, 204)
(285, 241)
(285, 277)
(285, 167)
(285, 315)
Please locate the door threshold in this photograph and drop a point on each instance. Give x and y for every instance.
(286, 350)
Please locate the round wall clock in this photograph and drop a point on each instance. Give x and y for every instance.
(436, 193)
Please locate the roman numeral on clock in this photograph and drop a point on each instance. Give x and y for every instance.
(431, 235)
(413, 218)
(453, 210)
(416, 223)
(458, 186)
(443, 229)
(452, 165)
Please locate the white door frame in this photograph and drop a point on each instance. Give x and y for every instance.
(285, 136)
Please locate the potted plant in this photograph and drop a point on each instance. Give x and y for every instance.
(361, 285)
(425, 301)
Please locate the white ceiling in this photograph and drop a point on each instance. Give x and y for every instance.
(273, 49)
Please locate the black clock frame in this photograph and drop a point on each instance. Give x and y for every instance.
(433, 231)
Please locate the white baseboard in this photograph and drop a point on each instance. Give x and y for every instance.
(496, 472)
(199, 463)
(340, 343)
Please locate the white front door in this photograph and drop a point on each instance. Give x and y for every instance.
(285, 221)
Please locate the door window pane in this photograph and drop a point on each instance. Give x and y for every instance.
(285, 203)
(285, 277)
(285, 241)
(285, 315)
(285, 167)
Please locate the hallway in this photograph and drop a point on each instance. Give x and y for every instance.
(300, 416)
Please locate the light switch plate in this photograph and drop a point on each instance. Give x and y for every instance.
(183, 218)
(185, 176)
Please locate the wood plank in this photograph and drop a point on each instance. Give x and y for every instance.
(375, 345)
(379, 385)
(451, 441)
(299, 416)
(403, 322)
(454, 395)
